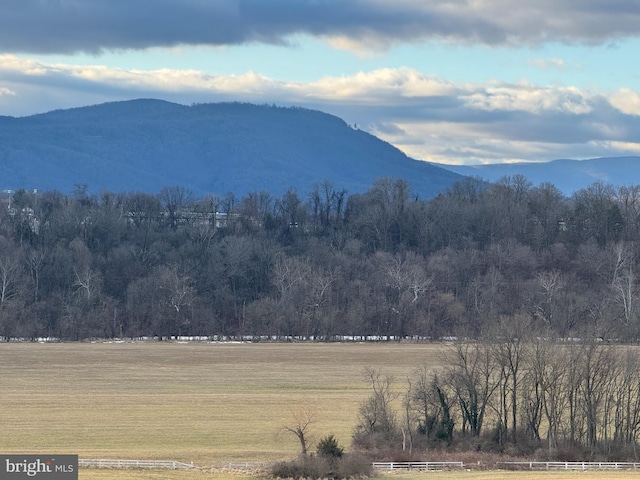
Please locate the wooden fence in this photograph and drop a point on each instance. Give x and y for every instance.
(569, 465)
(109, 463)
(417, 465)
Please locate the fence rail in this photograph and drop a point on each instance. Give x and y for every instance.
(109, 463)
(424, 466)
(245, 465)
(417, 465)
(569, 465)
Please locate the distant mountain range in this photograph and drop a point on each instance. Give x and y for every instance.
(145, 145)
(568, 175)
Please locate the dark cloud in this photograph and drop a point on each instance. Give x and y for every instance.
(67, 26)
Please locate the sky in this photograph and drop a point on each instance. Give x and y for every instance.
(449, 81)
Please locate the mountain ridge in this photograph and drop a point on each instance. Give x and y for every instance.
(147, 144)
(569, 175)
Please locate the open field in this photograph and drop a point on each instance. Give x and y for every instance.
(197, 402)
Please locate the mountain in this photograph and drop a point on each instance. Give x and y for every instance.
(568, 175)
(145, 145)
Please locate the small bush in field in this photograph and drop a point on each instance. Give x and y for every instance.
(328, 447)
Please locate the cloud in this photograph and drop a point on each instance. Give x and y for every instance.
(627, 101)
(428, 117)
(548, 63)
(531, 99)
(68, 26)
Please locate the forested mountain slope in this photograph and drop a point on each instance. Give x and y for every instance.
(145, 145)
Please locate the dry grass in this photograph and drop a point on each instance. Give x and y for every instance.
(502, 475)
(97, 474)
(204, 403)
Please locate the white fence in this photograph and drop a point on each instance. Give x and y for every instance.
(417, 465)
(244, 465)
(569, 465)
(402, 466)
(108, 463)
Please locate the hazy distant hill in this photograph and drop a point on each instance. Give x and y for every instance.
(567, 175)
(145, 145)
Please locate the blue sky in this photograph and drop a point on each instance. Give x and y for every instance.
(455, 81)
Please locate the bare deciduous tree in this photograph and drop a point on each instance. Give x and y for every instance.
(302, 420)
(376, 414)
(474, 376)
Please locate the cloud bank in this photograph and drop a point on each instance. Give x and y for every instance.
(69, 26)
(430, 118)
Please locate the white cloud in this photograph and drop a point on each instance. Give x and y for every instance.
(24, 66)
(548, 63)
(622, 148)
(428, 117)
(377, 85)
(627, 101)
(367, 87)
(533, 99)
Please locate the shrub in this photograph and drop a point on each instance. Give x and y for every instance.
(303, 467)
(353, 465)
(328, 447)
(344, 467)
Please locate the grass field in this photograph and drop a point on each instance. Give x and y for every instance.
(197, 402)
(204, 403)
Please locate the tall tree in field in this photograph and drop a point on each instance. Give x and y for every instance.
(475, 378)
(377, 418)
(508, 345)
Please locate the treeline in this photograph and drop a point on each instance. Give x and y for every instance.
(321, 264)
(511, 393)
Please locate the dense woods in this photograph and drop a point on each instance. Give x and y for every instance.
(322, 264)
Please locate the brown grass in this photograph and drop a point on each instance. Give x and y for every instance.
(205, 403)
(502, 475)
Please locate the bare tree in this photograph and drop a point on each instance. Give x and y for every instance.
(34, 261)
(597, 368)
(376, 414)
(551, 282)
(302, 420)
(175, 293)
(174, 200)
(406, 282)
(623, 282)
(9, 274)
(474, 375)
(508, 350)
(549, 366)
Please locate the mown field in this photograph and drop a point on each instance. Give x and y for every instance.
(197, 402)
(205, 403)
